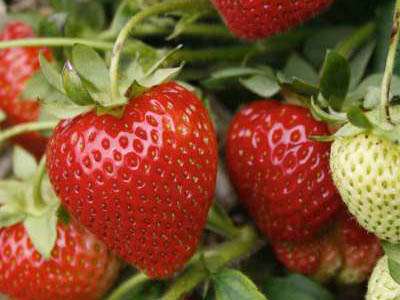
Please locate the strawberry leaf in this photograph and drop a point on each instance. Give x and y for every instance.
(74, 87)
(357, 117)
(187, 19)
(159, 76)
(62, 108)
(297, 66)
(359, 63)
(231, 285)
(261, 85)
(394, 270)
(297, 85)
(37, 87)
(91, 67)
(322, 115)
(24, 164)
(43, 232)
(335, 79)
(391, 250)
(295, 287)
(51, 74)
(349, 130)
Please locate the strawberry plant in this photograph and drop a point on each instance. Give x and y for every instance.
(199, 149)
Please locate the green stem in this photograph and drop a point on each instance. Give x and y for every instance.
(213, 31)
(356, 40)
(275, 45)
(160, 8)
(391, 58)
(55, 42)
(219, 222)
(37, 185)
(127, 286)
(219, 256)
(25, 128)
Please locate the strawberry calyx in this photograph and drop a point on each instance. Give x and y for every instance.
(28, 198)
(393, 253)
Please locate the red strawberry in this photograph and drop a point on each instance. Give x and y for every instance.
(143, 183)
(281, 175)
(17, 66)
(347, 251)
(81, 267)
(319, 258)
(255, 19)
(360, 250)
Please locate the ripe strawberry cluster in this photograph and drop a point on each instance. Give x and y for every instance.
(138, 186)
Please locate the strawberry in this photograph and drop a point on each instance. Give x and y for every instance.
(255, 19)
(144, 182)
(281, 175)
(319, 257)
(17, 66)
(381, 285)
(366, 171)
(346, 252)
(360, 250)
(81, 267)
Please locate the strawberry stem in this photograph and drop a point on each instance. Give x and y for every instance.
(391, 58)
(245, 242)
(127, 286)
(25, 128)
(347, 47)
(160, 8)
(55, 42)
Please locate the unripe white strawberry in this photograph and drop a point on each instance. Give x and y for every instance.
(366, 171)
(381, 286)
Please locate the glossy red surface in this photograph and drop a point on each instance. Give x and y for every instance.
(255, 19)
(281, 175)
(143, 183)
(17, 65)
(81, 267)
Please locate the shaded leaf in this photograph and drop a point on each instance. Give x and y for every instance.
(231, 285)
(359, 63)
(74, 87)
(357, 117)
(262, 86)
(37, 87)
(24, 164)
(394, 269)
(300, 68)
(43, 232)
(51, 74)
(335, 80)
(91, 67)
(295, 287)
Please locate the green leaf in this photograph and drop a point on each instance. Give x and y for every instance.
(335, 80)
(186, 20)
(219, 221)
(43, 232)
(299, 86)
(374, 80)
(384, 23)
(372, 97)
(357, 117)
(10, 217)
(349, 130)
(262, 86)
(359, 63)
(37, 87)
(231, 285)
(51, 26)
(73, 86)
(11, 191)
(159, 76)
(298, 67)
(91, 67)
(394, 270)
(24, 164)
(322, 115)
(295, 287)
(62, 108)
(391, 250)
(51, 74)
(220, 78)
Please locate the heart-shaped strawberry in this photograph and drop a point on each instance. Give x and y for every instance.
(144, 182)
